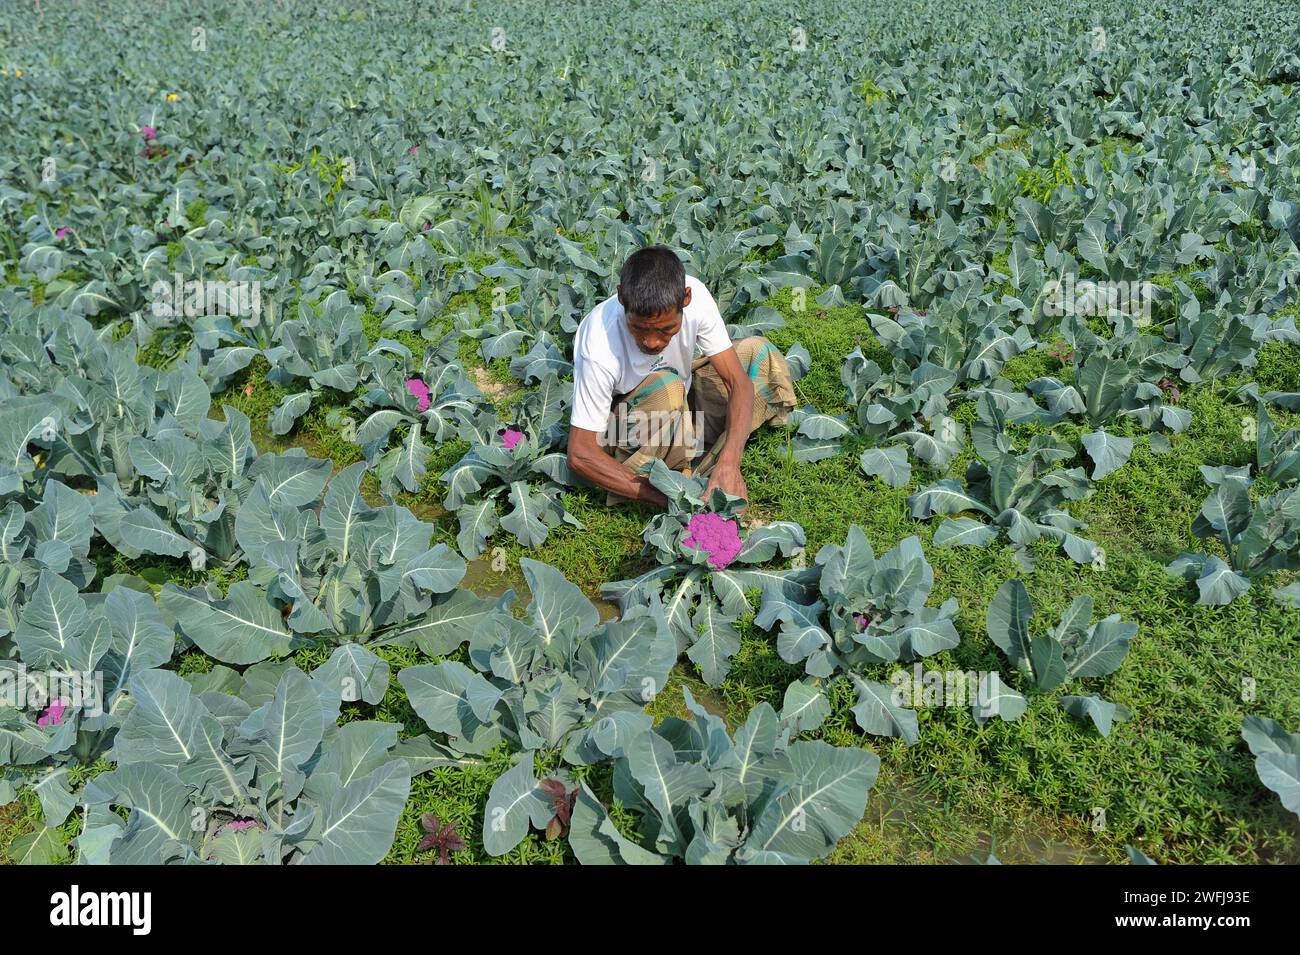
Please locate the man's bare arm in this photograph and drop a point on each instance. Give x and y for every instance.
(740, 416)
(588, 460)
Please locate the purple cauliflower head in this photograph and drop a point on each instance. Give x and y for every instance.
(715, 535)
(865, 619)
(52, 715)
(418, 390)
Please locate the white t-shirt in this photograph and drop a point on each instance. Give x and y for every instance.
(607, 361)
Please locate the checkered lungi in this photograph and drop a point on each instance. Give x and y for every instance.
(659, 419)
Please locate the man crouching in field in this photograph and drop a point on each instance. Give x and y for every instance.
(656, 376)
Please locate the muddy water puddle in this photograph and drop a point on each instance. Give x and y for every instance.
(908, 812)
(480, 578)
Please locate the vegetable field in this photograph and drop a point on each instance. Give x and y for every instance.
(292, 565)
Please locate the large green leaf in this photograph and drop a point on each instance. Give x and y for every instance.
(1219, 584)
(559, 609)
(944, 497)
(51, 628)
(358, 822)
(596, 841)
(716, 642)
(825, 801)
(142, 640)
(243, 628)
(515, 801)
(1109, 452)
(888, 464)
(45, 846)
(282, 734)
(1103, 713)
(356, 673)
(478, 522)
(343, 511)
(165, 726)
(804, 707)
(1102, 382)
(525, 520)
(1008, 622)
(159, 827)
(1277, 758)
(144, 531)
(878, 713)
(959, 531)
(667, 783)
(995, 698)
(448, 623)
(1104, 649)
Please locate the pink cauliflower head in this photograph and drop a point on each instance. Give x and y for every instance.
(510, 437)
(419, 390)
(149, 133)
(61, 232)
(715, 535)
(865, 620)
(53, 714)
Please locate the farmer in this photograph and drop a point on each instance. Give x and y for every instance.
(655, 375)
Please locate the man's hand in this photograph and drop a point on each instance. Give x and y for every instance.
(727, 476)
(740, 415)
(588, 460)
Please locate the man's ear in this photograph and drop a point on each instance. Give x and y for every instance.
(686, 298)
(619, 292)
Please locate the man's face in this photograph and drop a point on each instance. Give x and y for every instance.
(652, 333)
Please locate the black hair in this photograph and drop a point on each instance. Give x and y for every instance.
(652, 281)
